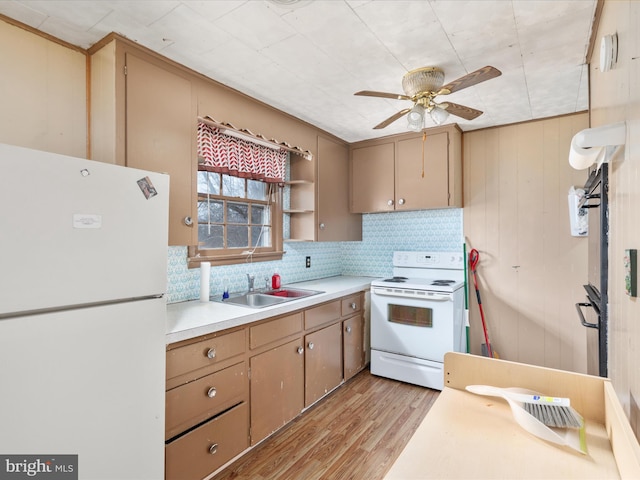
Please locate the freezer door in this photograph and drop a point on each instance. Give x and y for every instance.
(87, 382)
(77, 231)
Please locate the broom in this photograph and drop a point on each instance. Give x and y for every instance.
(474, 258)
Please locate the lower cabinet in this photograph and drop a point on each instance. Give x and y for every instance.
(232, 389)
(323, 363)
(352, 342)
(277, 381)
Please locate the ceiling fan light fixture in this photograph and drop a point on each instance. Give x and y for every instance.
(439, 115)
(416, 115)
(426, 79)
(415, 118)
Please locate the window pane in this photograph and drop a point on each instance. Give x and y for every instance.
(259, 215)
(211, 236)
(209, 182)
(233, 186)
(258, 240)
(213, 208)
(256, 190)
(237, 236)
(237, 213)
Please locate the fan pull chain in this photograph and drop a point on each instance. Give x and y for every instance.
(424, 137)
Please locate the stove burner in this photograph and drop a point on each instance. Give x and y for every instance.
(396, 279)
(443, 283)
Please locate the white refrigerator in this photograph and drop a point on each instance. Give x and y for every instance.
(83, 271)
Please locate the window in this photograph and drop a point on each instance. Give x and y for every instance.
(237, 217)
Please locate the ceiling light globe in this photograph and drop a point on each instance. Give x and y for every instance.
(439, 115)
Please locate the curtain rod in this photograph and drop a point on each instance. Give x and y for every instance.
(245, 134)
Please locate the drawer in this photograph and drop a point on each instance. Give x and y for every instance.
(208, 447)
(273, 330)
(351, 304)
(204, 353)
(322, 314)
(194, 402)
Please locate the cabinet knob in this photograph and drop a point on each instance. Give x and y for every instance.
(401, 201)
(213, 449)
(322, 226)
(188, 221)
(211, 353)
(348, 329)
(390, 203)
(300, 350)
(212, 392)
(310, 345)
(353, 306)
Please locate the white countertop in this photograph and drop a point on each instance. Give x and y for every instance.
(194, 318)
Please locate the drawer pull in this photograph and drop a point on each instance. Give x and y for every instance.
(310, 345)
(348, 329)
(213, 449)
(211, 353)
(300, 350)
(353, 306)
(212, 392)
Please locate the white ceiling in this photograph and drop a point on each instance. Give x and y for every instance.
(308, 59)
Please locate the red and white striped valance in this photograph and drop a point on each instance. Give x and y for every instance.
(222, 153)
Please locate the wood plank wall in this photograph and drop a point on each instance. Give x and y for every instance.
(615, 97)
(531, 270)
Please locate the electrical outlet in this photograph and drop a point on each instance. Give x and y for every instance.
(308, 264)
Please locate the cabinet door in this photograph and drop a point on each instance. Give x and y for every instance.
(413, 191)
(277, 388)
(161, 135)
(335, 221)
(372, 174)
(323, 362)
(353, 345)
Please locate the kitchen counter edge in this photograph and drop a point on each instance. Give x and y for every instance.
(186, 320)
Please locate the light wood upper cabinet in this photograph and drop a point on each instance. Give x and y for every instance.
(143, 115)
(335, 221)
(386, 174)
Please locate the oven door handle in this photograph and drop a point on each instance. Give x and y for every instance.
(583, 321)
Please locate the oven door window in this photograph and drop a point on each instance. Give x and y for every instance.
(408, 315)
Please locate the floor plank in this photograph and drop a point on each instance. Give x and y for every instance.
(355, 433)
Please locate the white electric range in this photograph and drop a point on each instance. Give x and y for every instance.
(417, 316)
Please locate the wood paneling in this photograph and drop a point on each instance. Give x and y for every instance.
(516, 181)
(615, 97)
(43, 94)
(355, 433)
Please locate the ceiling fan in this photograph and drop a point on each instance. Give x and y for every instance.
(422, 85)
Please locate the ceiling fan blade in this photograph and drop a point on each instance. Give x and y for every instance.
(395, 96)
(462, 111)
(473, 78)
(392, 119)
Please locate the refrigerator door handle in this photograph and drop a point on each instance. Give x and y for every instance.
(583, 321)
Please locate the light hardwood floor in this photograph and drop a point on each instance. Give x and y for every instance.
(355, 433)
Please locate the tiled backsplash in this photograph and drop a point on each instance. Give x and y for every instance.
(382, 233)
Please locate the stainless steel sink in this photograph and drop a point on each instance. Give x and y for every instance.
(269, 297)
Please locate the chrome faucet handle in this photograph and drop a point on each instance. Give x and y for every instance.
(250, 279)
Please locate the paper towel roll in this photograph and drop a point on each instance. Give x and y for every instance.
(581, 158)
(205, 274)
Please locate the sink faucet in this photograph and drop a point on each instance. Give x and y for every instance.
(250, 279)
